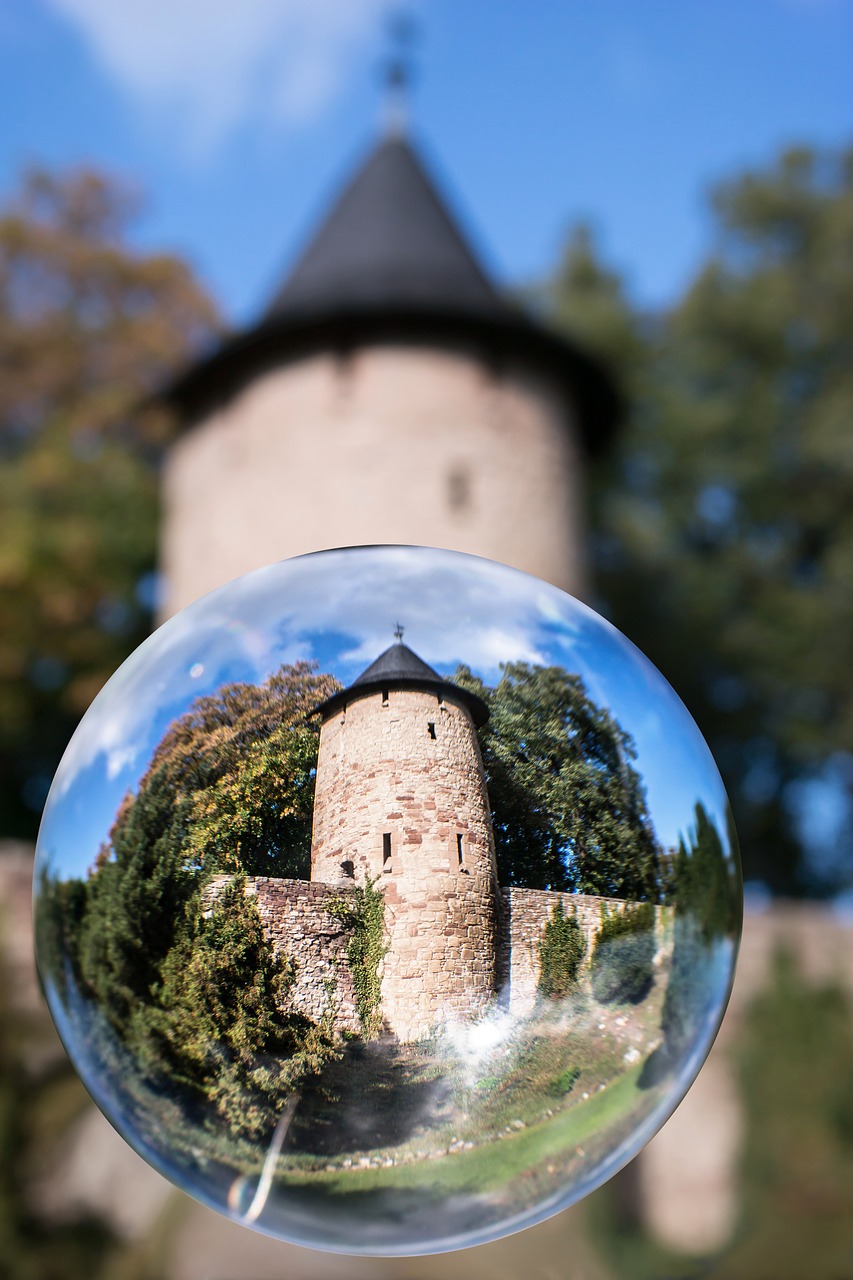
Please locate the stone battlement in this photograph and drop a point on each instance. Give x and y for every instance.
(299, 920)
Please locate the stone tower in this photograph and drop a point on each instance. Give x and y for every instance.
(389, 394)
(401, 796)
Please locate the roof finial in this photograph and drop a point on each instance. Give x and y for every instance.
(399, 633)
(398, 72)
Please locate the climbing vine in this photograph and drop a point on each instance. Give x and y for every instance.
(561, 954)
(364, 915)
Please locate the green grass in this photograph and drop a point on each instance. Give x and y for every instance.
(491, 1165)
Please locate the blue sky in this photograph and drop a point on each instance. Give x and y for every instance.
(341, 607)
(238, 120)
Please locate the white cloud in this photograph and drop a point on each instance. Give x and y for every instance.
(211, 65)
(342, 607)
(455, 609)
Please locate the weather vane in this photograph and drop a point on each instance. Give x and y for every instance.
(398, 69)
(399, 632)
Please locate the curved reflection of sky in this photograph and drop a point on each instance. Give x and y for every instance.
(341, 608)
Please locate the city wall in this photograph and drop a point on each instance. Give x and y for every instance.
(524, 915)
(298, 919)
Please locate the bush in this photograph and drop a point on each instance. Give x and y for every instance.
(561, 954)
(623, 956)
(565, 1082)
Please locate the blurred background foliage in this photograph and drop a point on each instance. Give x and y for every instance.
(89, 329)
(722, 544)
(723, 521)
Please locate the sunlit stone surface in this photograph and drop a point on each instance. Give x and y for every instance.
(387, 900)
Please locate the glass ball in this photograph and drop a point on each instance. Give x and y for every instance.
(387, 900)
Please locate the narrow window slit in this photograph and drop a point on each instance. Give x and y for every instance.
(459, 853)
(431, 728)
(386, 851)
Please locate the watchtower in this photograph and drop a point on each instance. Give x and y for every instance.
(401, 796)
(390, 394)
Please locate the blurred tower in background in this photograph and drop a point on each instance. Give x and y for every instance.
(389, 394)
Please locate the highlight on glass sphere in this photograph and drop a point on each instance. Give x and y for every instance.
(387, 900)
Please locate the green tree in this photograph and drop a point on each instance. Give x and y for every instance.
(229, 788)
(729, 500)
(561, 954)
(137, 899)
(241, 764)
(217, 1030)
(568, 805)
(622, 961)
(707, 898)
(89, 328)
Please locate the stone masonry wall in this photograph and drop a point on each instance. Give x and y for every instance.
(409, 767)
(451, 949)
(441, 960)
(296, 918)
(524, 914)
(391, 443)
(408, 771)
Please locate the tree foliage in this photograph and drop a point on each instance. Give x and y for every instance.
(197, 997)
(729, 499)
(229, 789)
(622, 961)
(561, 954)
(217, 1029)
(240, 767)
(707, 897)
(797, 1154)
(89, 328)
(568, 805)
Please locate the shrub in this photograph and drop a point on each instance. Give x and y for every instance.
(564, 1082)
(561, 954)
(623, 956)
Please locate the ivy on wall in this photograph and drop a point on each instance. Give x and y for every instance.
(561, 953)
(364, 915)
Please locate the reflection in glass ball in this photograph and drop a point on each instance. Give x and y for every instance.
(387, 900)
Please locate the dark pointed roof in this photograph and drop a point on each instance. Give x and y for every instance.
(398, 662)
(390, 241)
(390, 262)
(399, 667)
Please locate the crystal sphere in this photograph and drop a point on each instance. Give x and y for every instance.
(387, 900)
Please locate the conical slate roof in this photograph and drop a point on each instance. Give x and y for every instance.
(398, 662)
(390, 241)
(401, 668)
(390, 262)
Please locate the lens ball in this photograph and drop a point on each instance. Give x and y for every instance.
(387, 900)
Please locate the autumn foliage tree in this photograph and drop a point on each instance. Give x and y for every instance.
(195, 993)
(230, 788)
(89, 329)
